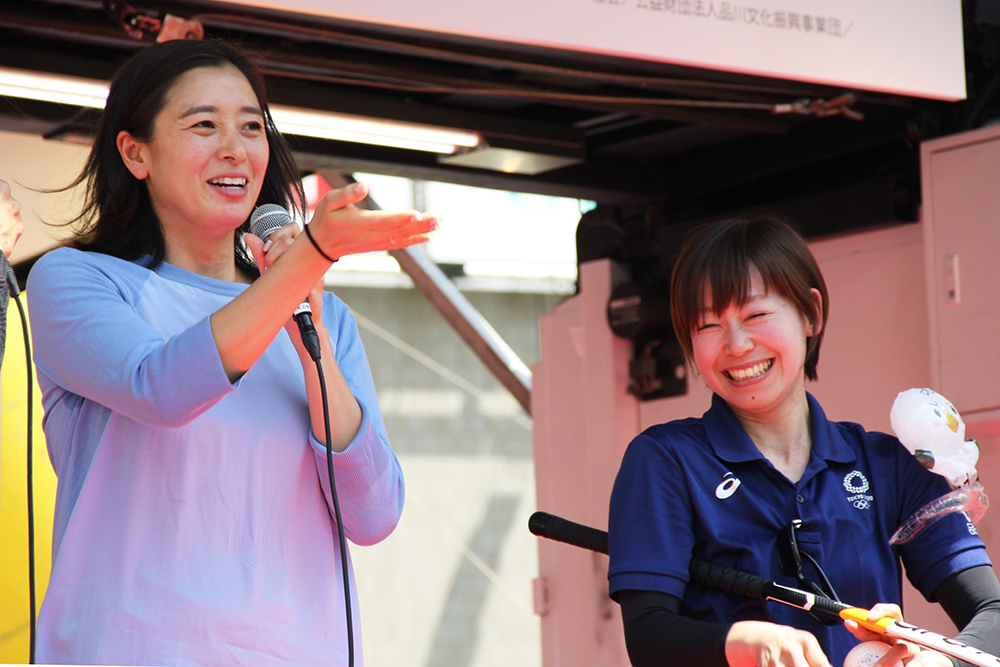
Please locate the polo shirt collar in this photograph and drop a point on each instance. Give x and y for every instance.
(731, 443)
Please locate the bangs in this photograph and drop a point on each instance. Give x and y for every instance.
(719, 269)
(725, 277)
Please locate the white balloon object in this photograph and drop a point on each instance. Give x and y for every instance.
(866, 654)
(930, 427)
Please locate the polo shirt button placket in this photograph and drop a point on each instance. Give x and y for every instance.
(800, 498)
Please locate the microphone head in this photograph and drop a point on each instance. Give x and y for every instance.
(268, 217)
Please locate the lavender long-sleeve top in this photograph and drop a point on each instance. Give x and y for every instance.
(193, 515)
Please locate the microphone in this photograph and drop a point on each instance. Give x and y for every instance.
(263, 221)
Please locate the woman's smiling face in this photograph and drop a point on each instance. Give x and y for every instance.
(205, 162)
(753, 354)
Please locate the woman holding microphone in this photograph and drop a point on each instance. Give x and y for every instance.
(184, 418)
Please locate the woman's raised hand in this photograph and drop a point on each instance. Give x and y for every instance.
(340, 228)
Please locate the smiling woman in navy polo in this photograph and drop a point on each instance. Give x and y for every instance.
(765, 484)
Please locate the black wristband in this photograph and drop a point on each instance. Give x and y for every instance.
(316, 245)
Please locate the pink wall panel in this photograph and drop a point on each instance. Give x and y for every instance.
(961, 192)
(888, 331)
(582, 420)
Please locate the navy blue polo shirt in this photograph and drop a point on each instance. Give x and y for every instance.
(701, 488)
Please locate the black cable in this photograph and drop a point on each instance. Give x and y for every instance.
(830, 591)
(342, 540)
(16, 293)
(537, 94)
(309, 72)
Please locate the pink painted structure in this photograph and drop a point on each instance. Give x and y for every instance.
(911, 306)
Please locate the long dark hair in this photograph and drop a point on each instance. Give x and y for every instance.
(720, 256)
(117, 217)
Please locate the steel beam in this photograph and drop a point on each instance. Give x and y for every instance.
(463, 317)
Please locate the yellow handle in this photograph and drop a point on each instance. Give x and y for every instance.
(860, 616)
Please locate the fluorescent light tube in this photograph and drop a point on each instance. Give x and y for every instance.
(51, 88)
(360, 129)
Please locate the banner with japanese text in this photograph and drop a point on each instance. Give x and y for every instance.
(910, 47)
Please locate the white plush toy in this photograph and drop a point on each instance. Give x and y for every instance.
(930, 427)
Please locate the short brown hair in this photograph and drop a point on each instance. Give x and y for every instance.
(720, 255)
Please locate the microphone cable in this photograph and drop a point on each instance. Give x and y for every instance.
(15, 292)
(264, 220)
(341, 538)
(308, 333)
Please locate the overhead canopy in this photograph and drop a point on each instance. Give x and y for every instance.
(683, 108)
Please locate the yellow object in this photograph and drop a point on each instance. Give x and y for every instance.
(14, 598)
(860, 616)
(952, 422)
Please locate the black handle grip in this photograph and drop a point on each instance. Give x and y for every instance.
(702, 571)
(728, 579)
(556, 528)
(759, 588)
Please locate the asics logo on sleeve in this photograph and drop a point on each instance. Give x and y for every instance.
(728, 486)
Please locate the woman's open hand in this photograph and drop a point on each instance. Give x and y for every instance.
(340, 228)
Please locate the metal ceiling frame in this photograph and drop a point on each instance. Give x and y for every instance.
(458, 312)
